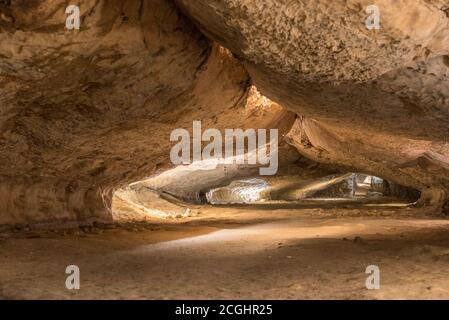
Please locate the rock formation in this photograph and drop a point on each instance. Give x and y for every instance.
(376, 101)
(85, 112)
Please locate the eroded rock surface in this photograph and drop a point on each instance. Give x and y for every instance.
(85, 112)
(373, 100)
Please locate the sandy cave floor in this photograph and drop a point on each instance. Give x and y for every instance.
(283, 254)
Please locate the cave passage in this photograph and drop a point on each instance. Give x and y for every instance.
(334, 189)
(109, 111)
(184, 191)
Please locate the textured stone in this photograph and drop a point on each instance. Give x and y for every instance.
(85, 112)
(375, 101)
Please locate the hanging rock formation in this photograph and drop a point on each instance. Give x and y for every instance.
(85, 112)
(375, 101)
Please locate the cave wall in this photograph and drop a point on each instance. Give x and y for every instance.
(83, 112)
(375, 101)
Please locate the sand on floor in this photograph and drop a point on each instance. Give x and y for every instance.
(285, 254)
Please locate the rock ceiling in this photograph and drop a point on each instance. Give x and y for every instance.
(83, 112)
